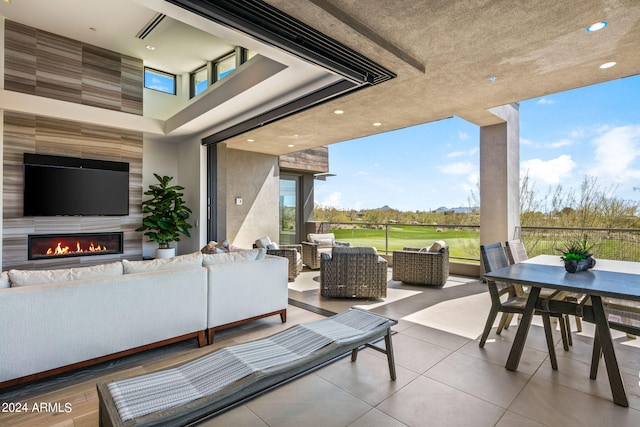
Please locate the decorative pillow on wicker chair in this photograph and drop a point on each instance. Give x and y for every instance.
(324, 240)
(437, 246)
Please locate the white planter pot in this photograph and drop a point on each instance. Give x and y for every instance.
(165, 253)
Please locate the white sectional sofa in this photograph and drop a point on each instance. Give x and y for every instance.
(58, 320)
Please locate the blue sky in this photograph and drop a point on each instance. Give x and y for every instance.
(592, 131)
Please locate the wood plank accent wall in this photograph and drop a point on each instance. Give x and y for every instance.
(47, 65)
(44, 64)
(313, 160)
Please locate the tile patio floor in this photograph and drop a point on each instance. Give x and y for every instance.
(444, 378)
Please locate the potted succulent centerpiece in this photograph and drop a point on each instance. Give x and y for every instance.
(165, 215)
(577, 256)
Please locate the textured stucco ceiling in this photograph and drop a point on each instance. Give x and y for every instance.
(444, 53)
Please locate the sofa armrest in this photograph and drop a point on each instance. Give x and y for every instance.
(310, 255)
(245, 289)
(297, 247)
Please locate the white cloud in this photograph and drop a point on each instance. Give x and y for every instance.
(463, 135)
(332, 200)
(458, 168)
(560, 144)
(545, 101)
(548, 171)
(616, 151)
(525, 141)
(462, 153)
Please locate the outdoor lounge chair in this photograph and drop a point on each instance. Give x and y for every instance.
(422, 266)
(316, 245)
(292, 252)
(353, 273)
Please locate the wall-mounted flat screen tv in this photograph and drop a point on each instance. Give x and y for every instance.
(55, 185)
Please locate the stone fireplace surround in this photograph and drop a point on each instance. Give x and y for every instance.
(71, 71)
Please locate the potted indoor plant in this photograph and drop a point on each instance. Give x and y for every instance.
(165, 215)
(577, 256)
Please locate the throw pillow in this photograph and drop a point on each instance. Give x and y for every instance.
(273, 245)
(263, 242)
(209, 248)
(189, 260)
(4, 280)
(324, 243)
(437, 246)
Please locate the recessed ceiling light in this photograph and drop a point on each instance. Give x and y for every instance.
(608, 65)
(493, 79)
(150, 47)
(338, 112)
(290, 145)
(250, 140)
(7, 1)
(597, 26)
(377, 124)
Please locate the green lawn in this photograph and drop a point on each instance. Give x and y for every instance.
(462, 243)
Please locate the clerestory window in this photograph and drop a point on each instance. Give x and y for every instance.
(159, 80)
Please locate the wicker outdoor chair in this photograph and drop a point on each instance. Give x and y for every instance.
(357, 272)
(417, 267)
(316, 245)
(291, 252)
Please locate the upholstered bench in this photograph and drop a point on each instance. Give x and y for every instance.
(205, 386)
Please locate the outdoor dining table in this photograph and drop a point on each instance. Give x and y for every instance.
(609, 278)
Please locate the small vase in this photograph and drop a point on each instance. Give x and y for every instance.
(573, 266)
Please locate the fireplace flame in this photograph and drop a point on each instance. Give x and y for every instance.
(64, 250)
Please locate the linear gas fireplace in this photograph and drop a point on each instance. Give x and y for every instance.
(47, 246)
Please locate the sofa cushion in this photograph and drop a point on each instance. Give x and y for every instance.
(239, 256)
(4, 280)
(188, 260)
(101, 270)
(38, 277)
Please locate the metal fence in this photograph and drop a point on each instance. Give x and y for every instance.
(464, 240)
(609, 243)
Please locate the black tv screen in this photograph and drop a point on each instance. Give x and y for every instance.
(55, 185)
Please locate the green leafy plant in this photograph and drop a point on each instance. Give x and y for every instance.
(576, 249)
(166, 214)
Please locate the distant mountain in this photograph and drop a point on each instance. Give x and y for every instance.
(384, 208)
(456, 210)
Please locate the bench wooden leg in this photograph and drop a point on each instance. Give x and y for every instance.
(201, 339)
(283, 316)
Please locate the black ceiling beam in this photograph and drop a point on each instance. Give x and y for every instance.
(272, 26)
(296, 106)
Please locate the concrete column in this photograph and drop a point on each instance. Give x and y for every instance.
(500, 176)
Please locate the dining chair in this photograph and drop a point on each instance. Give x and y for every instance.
(517, 252)
(493, 258)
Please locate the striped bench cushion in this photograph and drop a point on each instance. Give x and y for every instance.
(214, 372)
